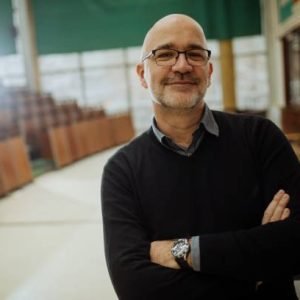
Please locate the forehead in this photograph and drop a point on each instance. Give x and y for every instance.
(177, 33)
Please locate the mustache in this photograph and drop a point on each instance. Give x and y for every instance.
(181, 77)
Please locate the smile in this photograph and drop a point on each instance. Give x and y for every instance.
(181, 83)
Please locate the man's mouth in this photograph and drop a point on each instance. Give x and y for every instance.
(181, 82)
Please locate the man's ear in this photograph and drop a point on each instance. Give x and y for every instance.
(140, 70)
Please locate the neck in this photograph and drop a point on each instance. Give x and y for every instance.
(179, 125)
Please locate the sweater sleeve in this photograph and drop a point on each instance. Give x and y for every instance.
(127, 247)
(269, 251)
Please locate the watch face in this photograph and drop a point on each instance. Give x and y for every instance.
(180, 248)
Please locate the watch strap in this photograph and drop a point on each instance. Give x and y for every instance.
(183, 264)
(182, 261)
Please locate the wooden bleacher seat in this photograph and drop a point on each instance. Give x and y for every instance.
(76, 147)
(21, 161)
(122, 128)
(104, 133)
(60, 147)
(294, 139)
(290, 119)
(8, 168)
(59, 140)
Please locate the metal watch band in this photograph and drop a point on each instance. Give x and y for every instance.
(180, 250)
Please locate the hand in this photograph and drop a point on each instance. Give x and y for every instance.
(160, 253)
(277, 210)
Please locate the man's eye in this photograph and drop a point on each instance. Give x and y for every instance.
(196, 55)
(164, 55)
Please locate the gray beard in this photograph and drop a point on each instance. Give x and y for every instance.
(180, 105)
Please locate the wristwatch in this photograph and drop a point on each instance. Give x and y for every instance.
(180, 250)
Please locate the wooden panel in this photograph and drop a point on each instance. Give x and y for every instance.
(43, 144)
(104, 133)
(2, 184)
(294, 139)
(87, 136)
(290, 119)
(74, 141)
(60, 147)
(21, 160)
(83, 138)
(78, 136)
(122, 128)
(8, 168)
(96, 141)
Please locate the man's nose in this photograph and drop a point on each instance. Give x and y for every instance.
(182, 64)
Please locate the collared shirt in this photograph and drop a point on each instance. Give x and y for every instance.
(207, 124)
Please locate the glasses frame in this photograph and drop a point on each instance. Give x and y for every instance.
(152, 53)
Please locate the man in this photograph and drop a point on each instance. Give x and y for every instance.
(187, 208)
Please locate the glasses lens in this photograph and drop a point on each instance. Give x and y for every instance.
(197, 56)
(168, 57)
(165, 57)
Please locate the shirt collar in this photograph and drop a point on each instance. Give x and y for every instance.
(208, 121)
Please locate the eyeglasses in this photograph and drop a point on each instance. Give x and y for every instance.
(168, 57)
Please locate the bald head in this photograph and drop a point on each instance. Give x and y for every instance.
(170, 26)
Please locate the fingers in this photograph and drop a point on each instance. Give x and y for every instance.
(277, 209)
(278, 212)
(272, 206)
(286, 214)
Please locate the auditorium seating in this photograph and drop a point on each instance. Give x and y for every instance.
(35, 126)
(15, 169)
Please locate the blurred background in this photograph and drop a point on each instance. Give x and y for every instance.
(69, 97)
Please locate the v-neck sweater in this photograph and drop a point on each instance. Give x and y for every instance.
(220, 193)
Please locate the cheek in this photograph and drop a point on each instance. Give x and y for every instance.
(152, 80)
(156, 78)
(204, 79)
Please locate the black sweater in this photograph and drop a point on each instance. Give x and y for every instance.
(220, 193)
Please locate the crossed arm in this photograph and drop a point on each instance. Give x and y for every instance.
(228, 259)
(160, 251)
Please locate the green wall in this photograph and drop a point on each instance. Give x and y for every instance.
(81, 25)
(7, 42)
(285, 9)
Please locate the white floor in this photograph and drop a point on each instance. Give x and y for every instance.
(51, 237)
